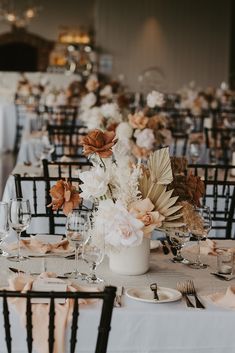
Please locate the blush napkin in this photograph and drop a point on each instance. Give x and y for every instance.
(40, 312)
(207, 247)
(225, 300)
(33, 244)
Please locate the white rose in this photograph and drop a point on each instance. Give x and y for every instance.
(120, 227)
(145, 138)
(155, 99)
(124, 131)
(95, 183)
(106, 91)
(92, 118)
(110, 110)
(88, 101)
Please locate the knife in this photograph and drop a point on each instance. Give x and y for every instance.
(15, 270)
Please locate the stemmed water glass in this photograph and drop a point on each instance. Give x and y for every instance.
(3, 224)
(201, 232)
(19, 220)
(177, 240)
(77, 225)
(93, 254)
(194, 151)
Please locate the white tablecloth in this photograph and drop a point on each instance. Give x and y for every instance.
(7, 126)
(142, 327)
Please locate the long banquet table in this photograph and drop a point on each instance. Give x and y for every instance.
(143, 327)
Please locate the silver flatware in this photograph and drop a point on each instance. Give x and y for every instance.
(182, 288)
(153, 288)
(118, 298)
(192, 291)
(223, 277)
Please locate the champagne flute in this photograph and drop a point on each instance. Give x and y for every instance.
(19, 219)
(201, 232)
(77, 225)
(93, 254)
(3, 224)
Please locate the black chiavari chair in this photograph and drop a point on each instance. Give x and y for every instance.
(59, 115)
(219, 195)
(107, 296)
(37, 190)
(218, 141)
(66, 141)
(64, 169)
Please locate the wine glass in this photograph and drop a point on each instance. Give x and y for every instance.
(93, 254)
(194, 152)
(77, 225)
(200, 232)
(3, 224)
(177, 240)
(19, 219)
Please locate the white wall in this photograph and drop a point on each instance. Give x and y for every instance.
(187, 39)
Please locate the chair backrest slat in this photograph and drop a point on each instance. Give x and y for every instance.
(29, 325)
(7, 325)
(74, 328)
(105, 321)
(51, 338)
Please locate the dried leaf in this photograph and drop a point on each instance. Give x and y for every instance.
(159, 165)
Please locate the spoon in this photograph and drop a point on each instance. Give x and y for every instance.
(153, 288)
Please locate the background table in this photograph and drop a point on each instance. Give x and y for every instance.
(143, 327)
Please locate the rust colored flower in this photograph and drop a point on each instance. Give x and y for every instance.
(123, 101)
(157, 122)
(196, 188)
(138, 120)
(112, 127)
(64, 195)
(179, 165)
(188, 188)
(99, 142)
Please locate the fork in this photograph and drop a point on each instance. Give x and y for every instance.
(182, 288)
(192, 291)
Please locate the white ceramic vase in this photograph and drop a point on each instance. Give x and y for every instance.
(131, 261)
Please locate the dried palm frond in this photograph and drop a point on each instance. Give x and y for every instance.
(159, 165)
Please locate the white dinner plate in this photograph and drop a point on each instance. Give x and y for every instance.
(166, 295)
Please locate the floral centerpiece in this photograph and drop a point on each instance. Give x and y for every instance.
(133, 199)
(147, 129)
